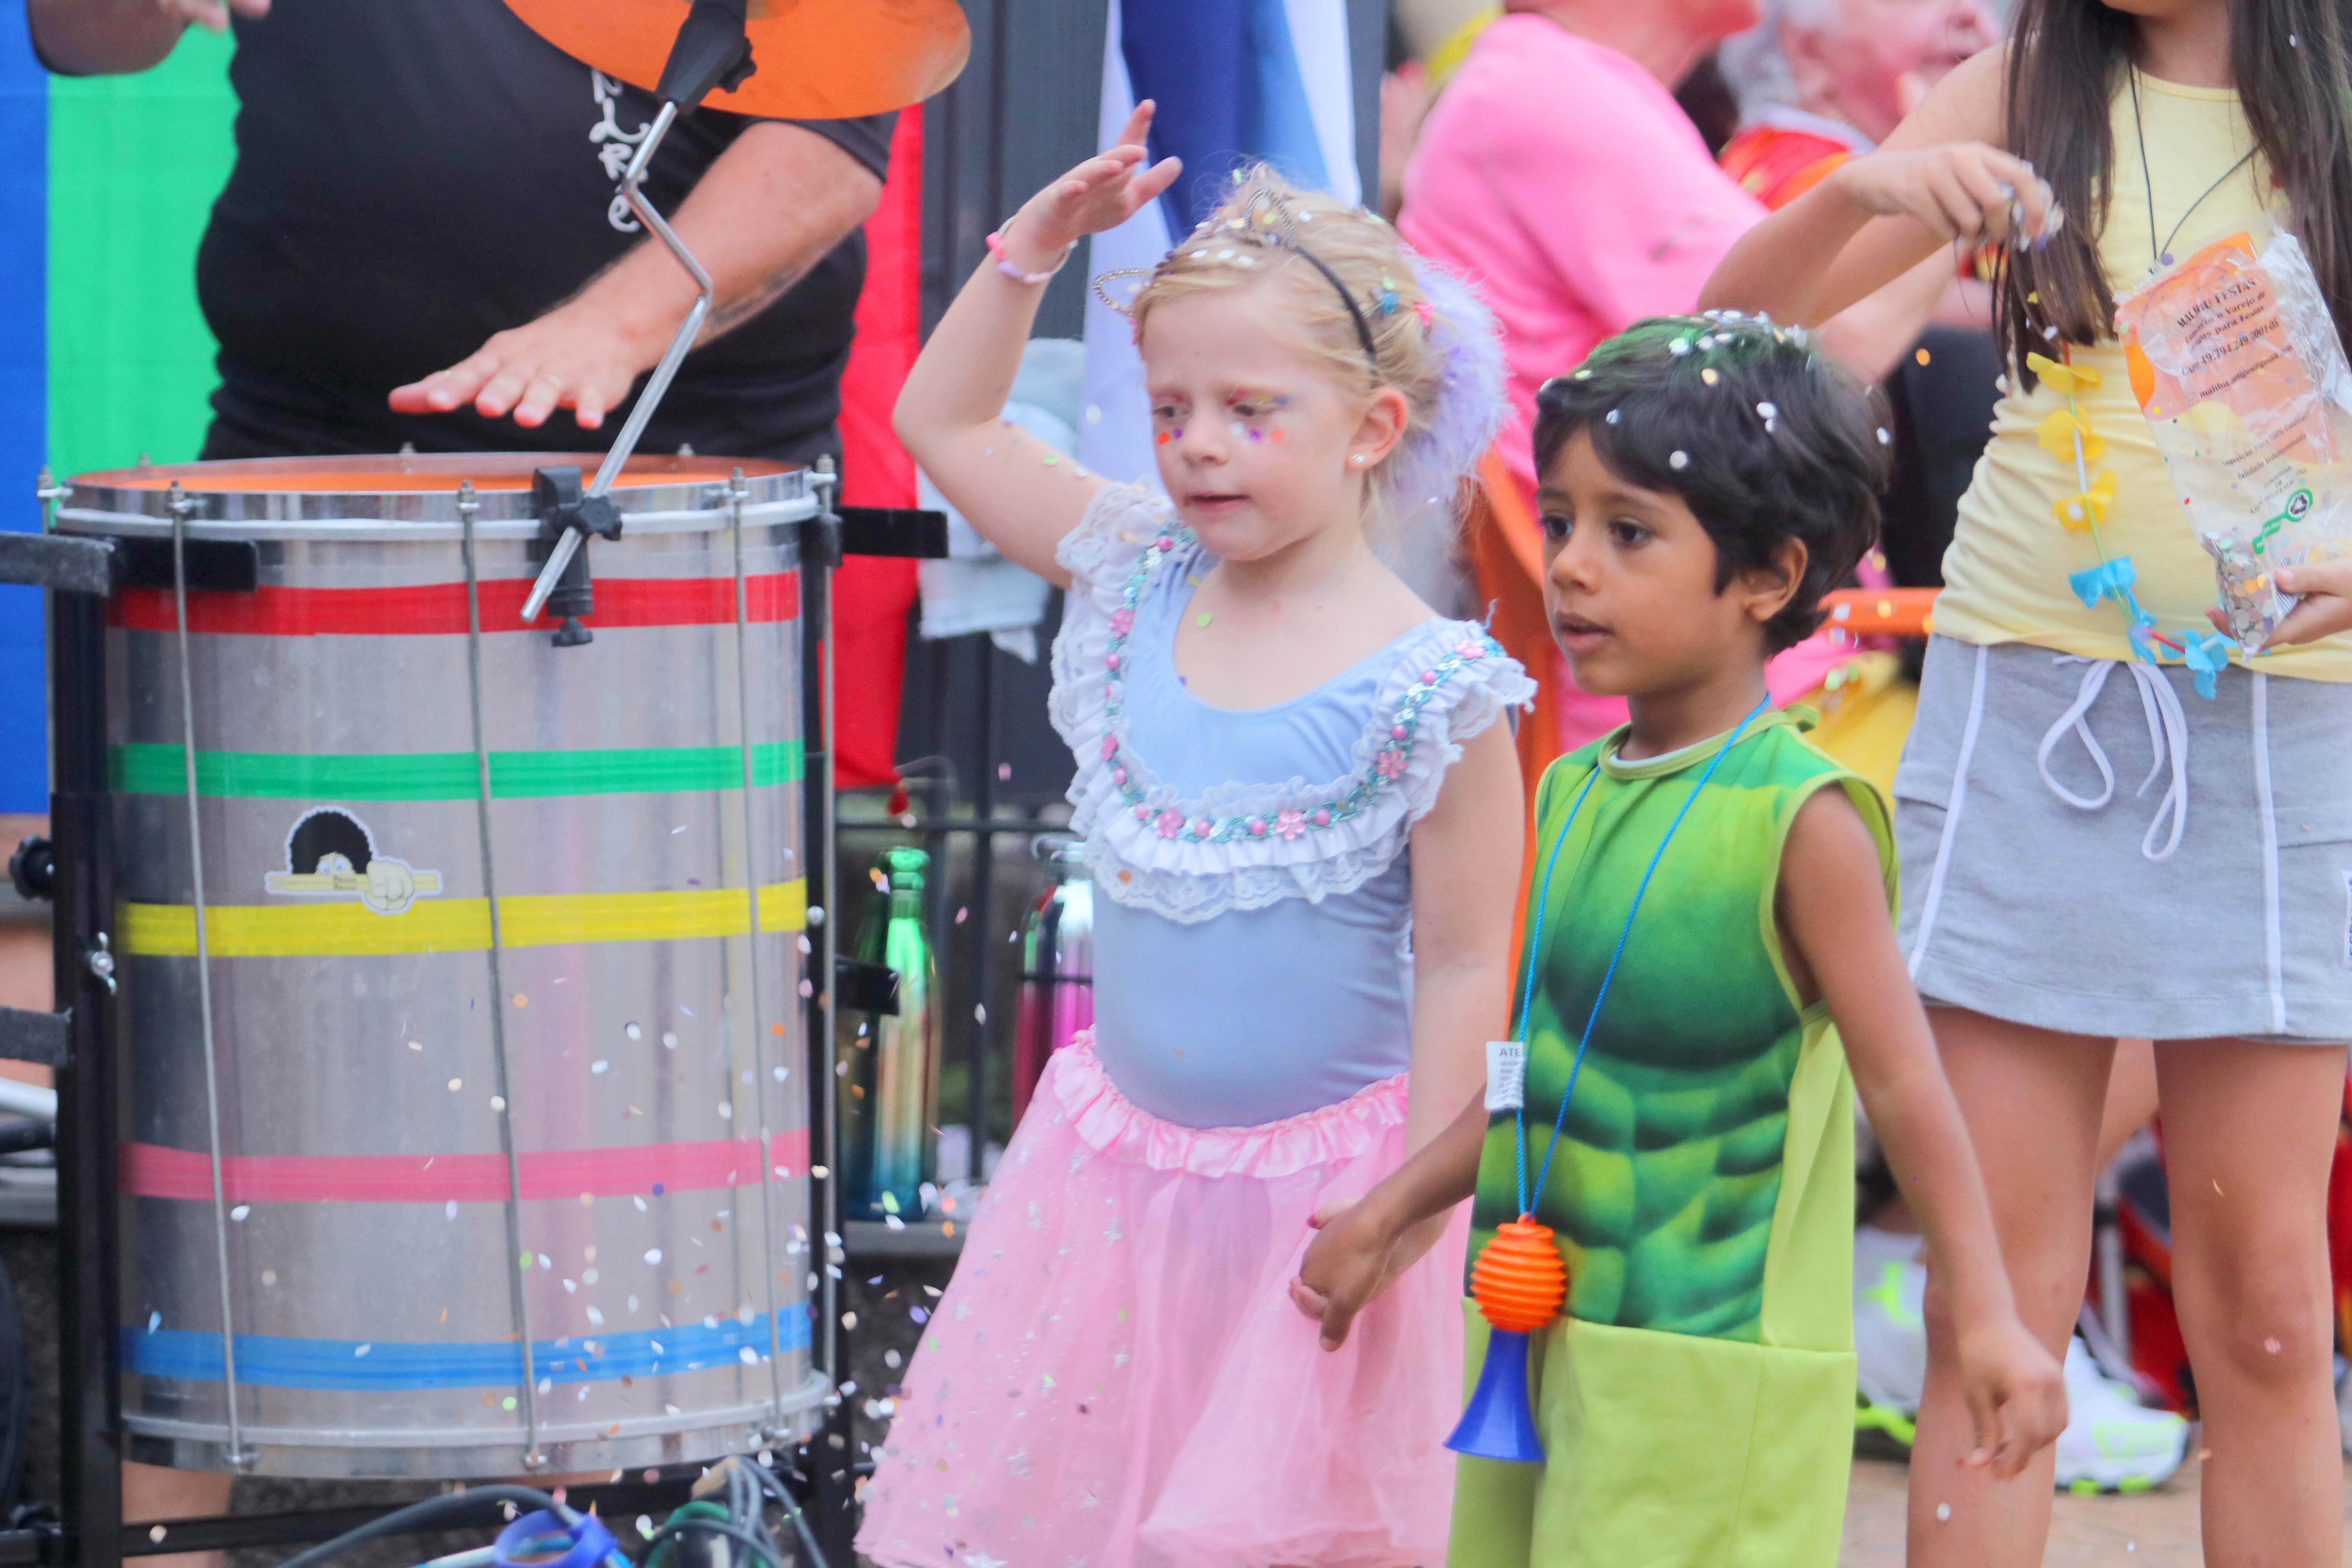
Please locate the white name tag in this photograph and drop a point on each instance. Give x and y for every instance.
(1507, 1075)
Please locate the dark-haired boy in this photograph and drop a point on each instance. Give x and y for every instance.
(1704, 481)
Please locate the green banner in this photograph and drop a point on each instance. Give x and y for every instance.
(144, 769)
(136, 162)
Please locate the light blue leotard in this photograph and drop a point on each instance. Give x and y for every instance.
(1250, 962)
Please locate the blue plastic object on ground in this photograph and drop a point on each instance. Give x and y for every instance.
(522, 1543)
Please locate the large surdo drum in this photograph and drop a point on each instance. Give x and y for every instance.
(493, 1157)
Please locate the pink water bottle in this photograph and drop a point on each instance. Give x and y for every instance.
(1057, 966)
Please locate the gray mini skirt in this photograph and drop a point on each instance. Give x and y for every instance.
(2089, 846)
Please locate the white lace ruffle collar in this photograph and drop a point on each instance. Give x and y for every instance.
(1245, 846)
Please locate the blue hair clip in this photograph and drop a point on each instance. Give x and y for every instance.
(1388, 302)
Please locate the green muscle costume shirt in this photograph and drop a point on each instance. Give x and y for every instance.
(1695, 1399)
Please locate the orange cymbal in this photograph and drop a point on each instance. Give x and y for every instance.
(818, 59)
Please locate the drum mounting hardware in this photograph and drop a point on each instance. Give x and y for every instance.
(567, 515)
(710, 52)
(32, 869)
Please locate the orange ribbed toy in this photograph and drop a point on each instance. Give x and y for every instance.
(1519, 1281)
(1520, 1284)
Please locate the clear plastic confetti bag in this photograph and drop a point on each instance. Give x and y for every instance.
(2236, 362)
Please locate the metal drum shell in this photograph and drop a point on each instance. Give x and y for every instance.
(368, 1258)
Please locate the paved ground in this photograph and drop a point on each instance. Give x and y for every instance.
(2157, 1530)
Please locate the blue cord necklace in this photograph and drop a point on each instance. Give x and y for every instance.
(1535, 945)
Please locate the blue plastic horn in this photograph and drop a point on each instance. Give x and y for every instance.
(1497, 1422)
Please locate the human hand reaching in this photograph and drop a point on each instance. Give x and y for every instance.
(1961, 190)
(2325, 590)
(577, 356)
(2016, 1394)
(1101, 192)
(1357, 1252)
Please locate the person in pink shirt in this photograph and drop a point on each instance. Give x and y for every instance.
(1557, 172)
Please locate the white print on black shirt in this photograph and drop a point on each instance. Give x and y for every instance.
(614, 146)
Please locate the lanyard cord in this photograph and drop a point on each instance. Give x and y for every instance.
(2163, 253)
(1535, 941)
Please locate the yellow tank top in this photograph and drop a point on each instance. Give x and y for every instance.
(2005, 575)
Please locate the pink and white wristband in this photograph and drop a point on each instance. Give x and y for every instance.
(1005, 265)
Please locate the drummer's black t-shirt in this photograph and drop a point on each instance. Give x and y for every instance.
(413, 175)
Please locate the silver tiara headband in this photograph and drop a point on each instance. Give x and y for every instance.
(1265, 222)
(1429, 467)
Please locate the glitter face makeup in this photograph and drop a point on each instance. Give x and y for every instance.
(1249, 417)
(1250, 414)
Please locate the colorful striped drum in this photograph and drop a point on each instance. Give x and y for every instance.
(449, 1189)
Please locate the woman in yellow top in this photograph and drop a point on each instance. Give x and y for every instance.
(2047, 908)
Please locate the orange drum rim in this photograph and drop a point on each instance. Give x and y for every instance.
(429, 472)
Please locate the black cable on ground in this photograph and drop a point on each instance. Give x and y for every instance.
(774, 1486)
(422, 1515)
(671, 1533)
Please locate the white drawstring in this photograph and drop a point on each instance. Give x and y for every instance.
(1932, 902)
(2167, 737)
(2273, 951)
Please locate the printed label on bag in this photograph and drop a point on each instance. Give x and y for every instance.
(1506, 1070)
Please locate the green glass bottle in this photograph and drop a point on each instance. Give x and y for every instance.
(889, 1093)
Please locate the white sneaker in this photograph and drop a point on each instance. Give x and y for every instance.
(1890, 1333)
(2113, 1443)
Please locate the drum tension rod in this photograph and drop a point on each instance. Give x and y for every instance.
(712, 51)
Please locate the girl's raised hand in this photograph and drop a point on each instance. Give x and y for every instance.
(1959, 191)
(1101, 192)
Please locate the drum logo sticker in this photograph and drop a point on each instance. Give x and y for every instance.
(331, 854)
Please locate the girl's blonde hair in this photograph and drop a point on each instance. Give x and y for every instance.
(1426, 335)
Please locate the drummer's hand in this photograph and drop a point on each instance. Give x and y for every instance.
(2326, 588)
(214, 15)
(1101, 192)
(576, 357)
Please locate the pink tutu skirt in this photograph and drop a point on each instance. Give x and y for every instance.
(1117, 1378)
